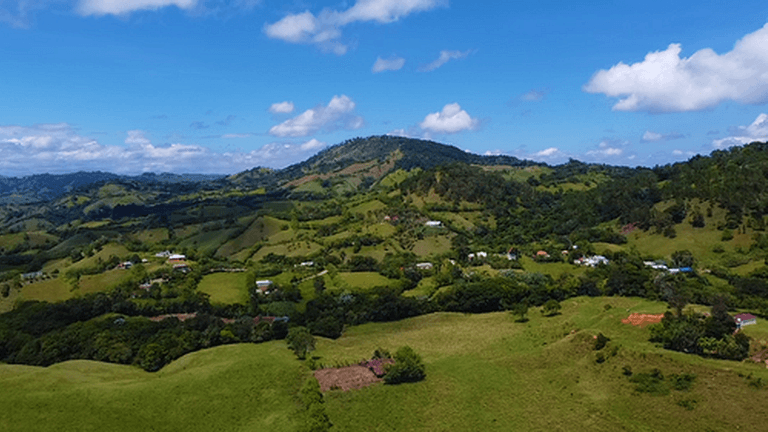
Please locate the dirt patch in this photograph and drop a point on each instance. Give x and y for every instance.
(642, 320)
(346, 378)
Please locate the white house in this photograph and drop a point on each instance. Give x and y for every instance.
(433, 224)
(177, 258)
(424, 266)
(745, 319)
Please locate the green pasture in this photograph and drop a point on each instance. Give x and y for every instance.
(261, 229)
(225, 288)
(433, 245)
(101, 282)
(229, 388)
(208, 241)
(484, 372)
(362, 280)
(51, 290)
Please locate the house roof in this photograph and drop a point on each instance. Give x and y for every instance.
(744, 317)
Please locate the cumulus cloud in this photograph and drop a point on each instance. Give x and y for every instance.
(451, 119)
(324, 29)
(281, 107)
(338, 114)
(665, 82)
(124, 7)
(650, 136)
(57, 148)
(390, 64)
(608, 149)
(757, 131)
(445, 57)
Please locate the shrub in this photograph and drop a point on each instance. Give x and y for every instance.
(600, 341)
(408, 367)
(683, 381)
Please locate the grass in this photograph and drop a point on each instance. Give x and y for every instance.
(101, 282)
(229, 388)
(553, 269)
(225, 288)
(432, 245)
(106, 251)
(51, 290)
(364, 280)
(484, 372)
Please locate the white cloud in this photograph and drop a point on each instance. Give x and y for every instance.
(650, 136)
(56, 148)
(390, 64)
(324, 29)
(236, 135)
(445, 57)
(339, 114)
(533, 95)
(664, 82)
(548, 152)
(757, 131)
(312, 144)
(281, 108)
(124, 7)
(608, 148)
(451, 119)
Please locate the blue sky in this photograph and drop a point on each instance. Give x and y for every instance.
(220, 86)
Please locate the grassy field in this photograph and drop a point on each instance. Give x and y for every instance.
(432, 245)
(364, 280)
(229, 388)
(225, 288)
(51, 290)
(484, 372)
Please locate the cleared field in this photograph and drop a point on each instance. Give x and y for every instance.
(104, 254)
(432, 245)
(364, 280)
(101, 282)
(153, 236)
(226, 288)
(484, 372)
(52, 290)
(293, 249)
(487, 372)
(368, 206)
(261, 229)
(229, 388)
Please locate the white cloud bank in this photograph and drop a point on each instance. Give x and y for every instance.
(324, 29)
(452, 119)
(58, 148)
(665, 82)
(445, 57)
(338, 114)
(390, 64)
(124, 7)
(757, 131)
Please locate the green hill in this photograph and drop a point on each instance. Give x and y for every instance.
(484, 372)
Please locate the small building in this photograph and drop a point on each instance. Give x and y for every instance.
(745, 319)
(181, 268)
(32, 275)
(424, 266)
(125, 265)
(592, 261)
(163, 254)
(264, 285)
(542, 254)
(177, 258)
(433, 224)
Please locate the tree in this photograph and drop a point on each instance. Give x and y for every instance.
(300, 341)
(551, 307)
(319, 284)
(520, 310)
(408, 367)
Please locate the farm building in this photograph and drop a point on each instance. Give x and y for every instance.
(264, 285)
(163, 254)
(424, 266)
(745, 319)
(433, 224)
(177, 258)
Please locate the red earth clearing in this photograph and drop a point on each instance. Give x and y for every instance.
(345, 378)
(642, 320)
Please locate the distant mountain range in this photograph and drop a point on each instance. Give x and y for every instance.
(44, 187)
